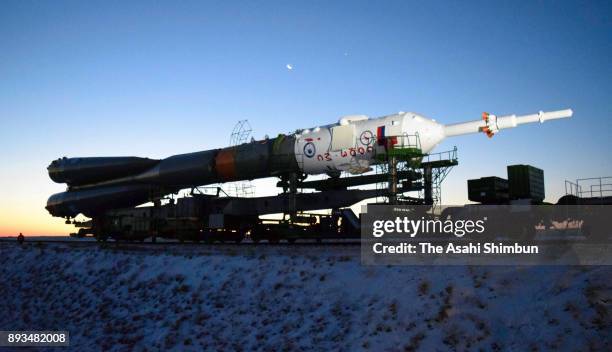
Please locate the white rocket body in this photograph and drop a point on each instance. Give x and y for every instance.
(353, 143)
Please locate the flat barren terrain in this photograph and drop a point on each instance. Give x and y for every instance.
(290, 298)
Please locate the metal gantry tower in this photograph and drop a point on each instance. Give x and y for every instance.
(240, 135)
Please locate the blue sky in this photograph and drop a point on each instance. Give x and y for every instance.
(157, 78)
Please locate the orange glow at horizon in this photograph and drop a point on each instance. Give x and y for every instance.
(19, 219)
(25, 212)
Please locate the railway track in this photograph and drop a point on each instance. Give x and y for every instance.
(245, 247)
(92, 241)
(185, 248)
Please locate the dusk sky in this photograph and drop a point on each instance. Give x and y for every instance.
(84, 78)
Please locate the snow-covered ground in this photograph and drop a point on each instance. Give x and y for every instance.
(296, 299)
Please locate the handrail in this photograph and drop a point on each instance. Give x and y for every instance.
(596, 187)
(445, 155)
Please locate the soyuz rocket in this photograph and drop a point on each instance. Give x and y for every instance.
(353, 144)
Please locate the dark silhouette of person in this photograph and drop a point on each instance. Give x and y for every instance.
(20, 238)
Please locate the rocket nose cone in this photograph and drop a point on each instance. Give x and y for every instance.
(52, 165)
(54, 173)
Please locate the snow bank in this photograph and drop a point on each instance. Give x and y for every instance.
(292, 299)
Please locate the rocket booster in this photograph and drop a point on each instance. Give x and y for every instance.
(353, 144)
